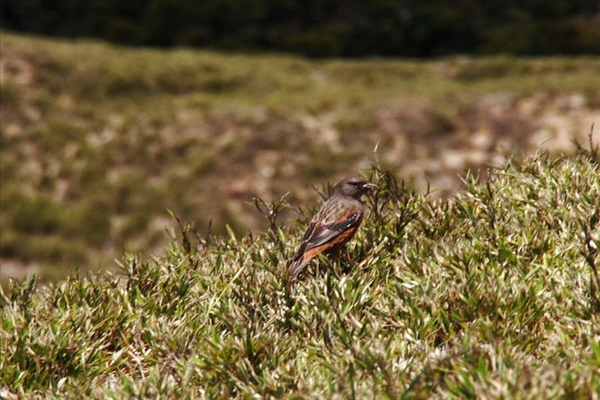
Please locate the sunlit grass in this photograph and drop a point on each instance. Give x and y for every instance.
(491, 293)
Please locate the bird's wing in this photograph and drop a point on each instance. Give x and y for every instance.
(317, 235)
(324, 228)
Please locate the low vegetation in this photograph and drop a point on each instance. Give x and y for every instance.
(490, 293)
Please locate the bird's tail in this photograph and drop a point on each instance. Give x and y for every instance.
(296, 266)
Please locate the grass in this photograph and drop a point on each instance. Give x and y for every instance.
(490, 293)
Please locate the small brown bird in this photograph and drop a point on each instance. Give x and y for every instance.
(335, 223)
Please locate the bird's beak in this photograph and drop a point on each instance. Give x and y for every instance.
(369, 186)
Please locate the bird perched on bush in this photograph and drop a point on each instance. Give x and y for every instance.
(336, 222)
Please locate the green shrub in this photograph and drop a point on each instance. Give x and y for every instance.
(489, 293)
(36, 215)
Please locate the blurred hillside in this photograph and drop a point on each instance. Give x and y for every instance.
(349, 28)
(97, 141)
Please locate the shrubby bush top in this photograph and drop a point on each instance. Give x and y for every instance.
(493, 292)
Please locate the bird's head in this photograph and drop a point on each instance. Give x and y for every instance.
(354, 186)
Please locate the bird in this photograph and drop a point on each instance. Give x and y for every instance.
(334, 224)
